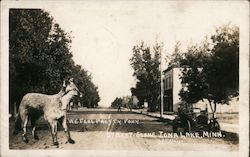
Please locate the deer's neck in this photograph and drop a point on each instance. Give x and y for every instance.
(65, 100)
(61, 93)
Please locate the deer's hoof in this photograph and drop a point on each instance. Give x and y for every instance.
(71, 141)
(36, 137)
(25, 140)
(15, 132)
(56, 143)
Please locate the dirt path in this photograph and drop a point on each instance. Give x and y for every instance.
(136, 135)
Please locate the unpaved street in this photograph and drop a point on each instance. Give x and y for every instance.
(107, 129)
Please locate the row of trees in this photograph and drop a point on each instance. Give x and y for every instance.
(210, 69)
(40, 57)
(126, 102)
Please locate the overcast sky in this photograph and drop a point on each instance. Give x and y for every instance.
(104, 33)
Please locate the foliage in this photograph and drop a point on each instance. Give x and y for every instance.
(174, 60)
(193, 74)
(117, 103)
(147, 73)
(40, 57)
(90, 97)
(211, 71)
(126, 101)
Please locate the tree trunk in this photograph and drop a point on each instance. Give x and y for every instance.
(210, 103)
(152, 105)
(215, 106)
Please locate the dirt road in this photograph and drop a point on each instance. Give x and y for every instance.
(112, 130)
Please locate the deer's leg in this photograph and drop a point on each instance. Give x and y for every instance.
(24, 117)
(53, 129)
(33, 126)
(63, 122)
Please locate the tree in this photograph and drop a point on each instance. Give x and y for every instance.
(40, 57)
(90, 97)
(116, 103)
(193, 75)
(125, 101)
(146, 70)
(225, 59)
(222, 72)
(174, 60)
(211, 71)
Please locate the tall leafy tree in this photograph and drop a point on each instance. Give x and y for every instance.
(145, 62)
(30, 57)
(174, 59)
(40, 56)
(222, 71)
(193, 74)
(211, 71)
(83, 80)
(117, 103)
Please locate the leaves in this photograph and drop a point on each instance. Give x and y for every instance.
(174, 59)
(125, 101)
(147, 72)
(40, 57)
(211, 70)
(117, 103)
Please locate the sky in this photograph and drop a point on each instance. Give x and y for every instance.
(105, 32)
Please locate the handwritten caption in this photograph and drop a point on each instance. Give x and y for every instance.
(103, 121)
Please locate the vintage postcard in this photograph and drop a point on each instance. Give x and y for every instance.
(124, 78)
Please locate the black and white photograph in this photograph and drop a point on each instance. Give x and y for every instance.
(124, 78)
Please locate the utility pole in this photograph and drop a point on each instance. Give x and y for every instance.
(162, 90)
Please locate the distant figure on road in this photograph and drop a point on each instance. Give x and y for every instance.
(119, 108)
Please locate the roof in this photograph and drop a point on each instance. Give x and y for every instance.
(170, 68)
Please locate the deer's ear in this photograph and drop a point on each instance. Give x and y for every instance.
(71, 80)
(64, 84)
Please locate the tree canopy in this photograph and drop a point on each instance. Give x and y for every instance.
(145, 62)
(125, 101)
(117, 103)
(210, 70)
(40, 57)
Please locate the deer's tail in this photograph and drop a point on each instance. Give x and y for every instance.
(17, 126)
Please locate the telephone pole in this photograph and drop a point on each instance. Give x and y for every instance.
(162, 90)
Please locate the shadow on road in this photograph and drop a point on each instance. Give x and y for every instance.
(98, 112)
